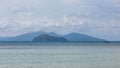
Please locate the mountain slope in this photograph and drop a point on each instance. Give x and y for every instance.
(3, 38)
(80, 37)
(25, 37)
(69, 37)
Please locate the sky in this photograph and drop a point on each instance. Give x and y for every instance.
(98, 18)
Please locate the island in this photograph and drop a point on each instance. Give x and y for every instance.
(48, 38)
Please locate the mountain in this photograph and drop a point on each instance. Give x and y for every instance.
(24, 37)
(81, 37)
(69, 37)
(3, 38)
(48, 38)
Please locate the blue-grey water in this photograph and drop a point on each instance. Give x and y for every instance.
(59, 55)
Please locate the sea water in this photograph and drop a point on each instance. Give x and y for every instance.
(59, 55)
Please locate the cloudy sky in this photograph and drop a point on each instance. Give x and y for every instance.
(99, 18)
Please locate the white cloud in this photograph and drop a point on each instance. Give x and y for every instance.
(100, 18)
(24, 22)
(3, 23)
(70, 1)
(117, 3)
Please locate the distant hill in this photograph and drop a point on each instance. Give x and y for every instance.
(81, 37)
(70, 37)
(3, 38)
(48, 38)
(24, 37)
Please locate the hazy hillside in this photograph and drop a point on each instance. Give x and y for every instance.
(69, 37)
(80, 37)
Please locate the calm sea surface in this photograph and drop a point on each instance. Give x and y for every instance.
(59, 55)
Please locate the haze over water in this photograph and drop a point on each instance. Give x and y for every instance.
(59, 55)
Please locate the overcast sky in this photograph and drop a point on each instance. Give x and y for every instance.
(99, 18)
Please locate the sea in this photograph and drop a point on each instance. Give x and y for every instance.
(59, 55)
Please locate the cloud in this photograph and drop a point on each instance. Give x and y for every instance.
(3, 23)
(116, 4)
(100, 18)
(70, 1)
(24, 22)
